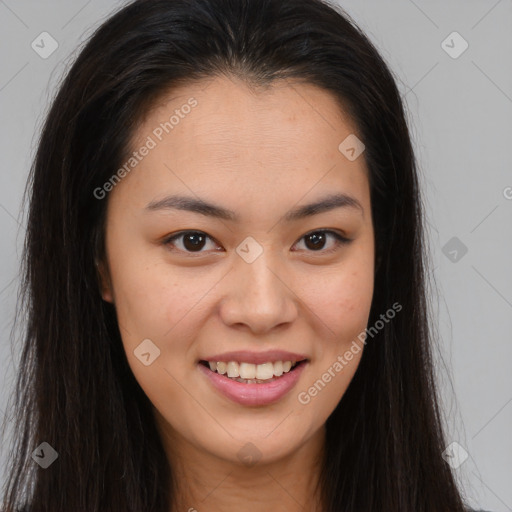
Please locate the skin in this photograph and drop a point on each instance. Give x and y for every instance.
(260, 154)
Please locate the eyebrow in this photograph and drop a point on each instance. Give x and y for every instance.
(330, 202)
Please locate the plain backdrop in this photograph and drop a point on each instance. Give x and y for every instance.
(460, 112)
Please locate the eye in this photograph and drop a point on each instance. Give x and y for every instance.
(194, 241)
(316, 240)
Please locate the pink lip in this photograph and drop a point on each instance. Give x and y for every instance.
(244, 356)
(254, 394)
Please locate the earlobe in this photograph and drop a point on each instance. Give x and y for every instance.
(104, 282)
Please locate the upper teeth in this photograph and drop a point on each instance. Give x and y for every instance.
(251, 371)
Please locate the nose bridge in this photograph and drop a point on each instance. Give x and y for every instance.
(257, 295)
(259, 277)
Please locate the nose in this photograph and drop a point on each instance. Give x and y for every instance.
(259, 296)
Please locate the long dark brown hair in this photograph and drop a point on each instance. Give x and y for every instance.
(75, 390)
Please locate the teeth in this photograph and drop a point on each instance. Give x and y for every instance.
(278, 368)
(265, 371)
(233, 369)
(247, 371)
(251, 372)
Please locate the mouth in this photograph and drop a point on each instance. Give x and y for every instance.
(250, 373)
(251, 384)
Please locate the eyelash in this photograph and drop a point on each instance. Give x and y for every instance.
(339, 240)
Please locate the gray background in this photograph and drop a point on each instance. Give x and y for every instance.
(460, 112)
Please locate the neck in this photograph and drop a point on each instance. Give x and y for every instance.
(203, 481)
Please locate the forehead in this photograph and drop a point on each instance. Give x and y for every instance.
(223, 109)
(219, 137)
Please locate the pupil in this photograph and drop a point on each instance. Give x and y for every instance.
(318, 240)
(199, 239)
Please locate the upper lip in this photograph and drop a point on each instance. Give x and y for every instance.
(246, 356)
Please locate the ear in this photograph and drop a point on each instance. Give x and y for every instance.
(104, 282)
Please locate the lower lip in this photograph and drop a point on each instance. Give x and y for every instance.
(254, 394)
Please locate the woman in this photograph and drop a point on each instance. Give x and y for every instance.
(286, 365)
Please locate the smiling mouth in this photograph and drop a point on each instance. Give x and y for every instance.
(249, 373)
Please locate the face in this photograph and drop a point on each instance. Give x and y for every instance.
(254, 278)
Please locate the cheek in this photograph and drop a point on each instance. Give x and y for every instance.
(341, 301)
(155, 312)
(150, 299)
(344, 307)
